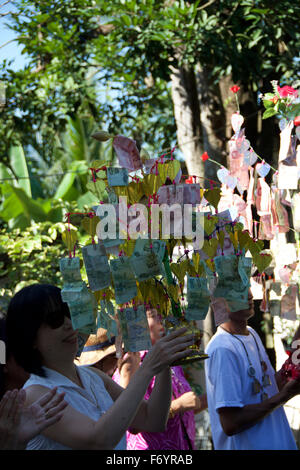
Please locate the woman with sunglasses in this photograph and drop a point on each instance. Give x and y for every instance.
(99, 411)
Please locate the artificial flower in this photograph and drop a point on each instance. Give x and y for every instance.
(234, 89)
(297, 121)
(189, 180)
(289, 370)
(286, 91)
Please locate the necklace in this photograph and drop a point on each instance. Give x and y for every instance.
(257, 386)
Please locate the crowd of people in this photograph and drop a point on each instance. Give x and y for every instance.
(50, 399)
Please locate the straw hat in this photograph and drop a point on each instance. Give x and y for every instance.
(96, 348)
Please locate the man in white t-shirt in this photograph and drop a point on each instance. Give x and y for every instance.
(244, 394)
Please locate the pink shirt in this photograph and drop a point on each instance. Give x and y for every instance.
(177, 428)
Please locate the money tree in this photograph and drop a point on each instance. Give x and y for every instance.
(155, 240)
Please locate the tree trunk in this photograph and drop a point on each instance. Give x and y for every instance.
(187, 118)
(212, 119)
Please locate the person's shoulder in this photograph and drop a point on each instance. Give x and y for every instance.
(255, 334)
(36, 380)
(34, 392)
(93, 372)
(253, 331)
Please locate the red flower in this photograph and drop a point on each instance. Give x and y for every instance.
(204, 156)
(297, 121)
(234, 89)
(274, 99)
(286, 91)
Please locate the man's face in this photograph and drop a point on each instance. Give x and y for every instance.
(244, 314)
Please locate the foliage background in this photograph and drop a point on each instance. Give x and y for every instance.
(157, 71)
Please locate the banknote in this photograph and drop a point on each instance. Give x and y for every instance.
(287, 177)
(127, 153)
(96, 266)
(296, 211)
(171, 194)
(147, 258)
(70, 270)
(265, 227)
(275, 307)
(117, 176)
(112, 196)
(124, 329)
(71, 292)
(289, 302)
(244, 269)
(82, 339)
(145, 266)
(81, 304)
(145, 246)
(106, 318)
(137, 335)
(230, 285)
(89, 329)
(198, 298)
(191, 194)
(124, 280)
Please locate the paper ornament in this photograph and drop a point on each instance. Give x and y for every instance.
(222, 174)
(236, 121)
(263, 169)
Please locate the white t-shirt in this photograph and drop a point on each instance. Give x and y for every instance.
(228, 384)
(92, 400)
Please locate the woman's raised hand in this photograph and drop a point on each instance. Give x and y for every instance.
(169, 349)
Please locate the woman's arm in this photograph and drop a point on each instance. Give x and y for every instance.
(127, 366)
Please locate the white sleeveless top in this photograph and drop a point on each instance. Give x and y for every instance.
(93, 401)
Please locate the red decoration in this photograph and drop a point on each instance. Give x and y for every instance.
(204, 157)
(286, 91)
(290, 371)
(234, 89)
(297, 121)
(189, 180)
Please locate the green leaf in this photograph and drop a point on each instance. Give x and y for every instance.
(269, 112)
(11, 208)
(262, 261)
(19, 166)
(213, 196)
(66, 184)
(268, 103)
(126, 20)
(31, 208)
(87, 199)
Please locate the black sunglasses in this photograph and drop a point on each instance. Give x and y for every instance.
(56, 318)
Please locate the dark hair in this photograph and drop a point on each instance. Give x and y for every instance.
(2, 338)
(27, 311)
